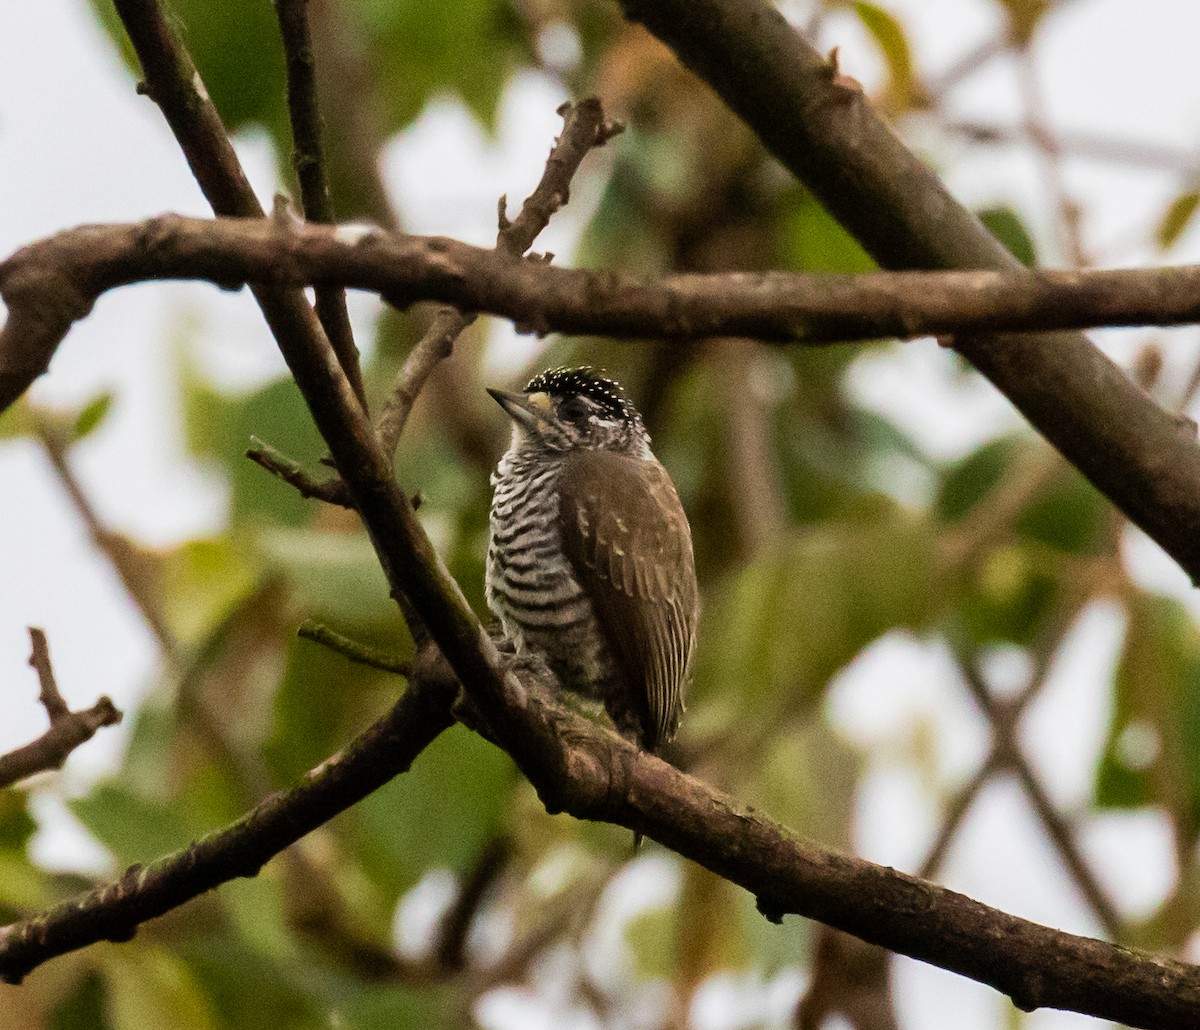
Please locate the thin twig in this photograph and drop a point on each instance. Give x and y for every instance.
(309, 161)
(363, 654)
(331, 490)
(1050, 152)
(68, 729)
(584, 128)
(489, 865)
(114, 911)
(434, 347)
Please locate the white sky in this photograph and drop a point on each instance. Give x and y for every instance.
(77, 145)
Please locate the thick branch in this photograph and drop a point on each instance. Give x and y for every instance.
(606, 778)
(49, 283)
(824, 131)
(115, 911)
(775, 306)
(67, 730)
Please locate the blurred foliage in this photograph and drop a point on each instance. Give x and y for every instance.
(867, 533)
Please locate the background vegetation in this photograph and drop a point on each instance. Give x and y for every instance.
(820, 526)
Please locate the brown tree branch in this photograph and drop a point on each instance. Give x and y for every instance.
(68, 729)
(584, 128)
(49, 283)
(1082, 145)
(309, 162)
(128, 565)
(825, 132)
(783, 307)
(606, 778)
(1008, 755)
(115, 911)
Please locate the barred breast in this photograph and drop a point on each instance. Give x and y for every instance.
(530, 586)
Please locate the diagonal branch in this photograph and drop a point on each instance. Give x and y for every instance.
(604, 777)
(114, 912)
(825, 132)
(309, 162)
(68, 729)
(584, 127)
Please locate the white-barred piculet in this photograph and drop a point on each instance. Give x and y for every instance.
(590, 565)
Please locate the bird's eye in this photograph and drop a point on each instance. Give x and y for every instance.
(576, 409)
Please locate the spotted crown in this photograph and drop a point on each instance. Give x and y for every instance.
(588, 382)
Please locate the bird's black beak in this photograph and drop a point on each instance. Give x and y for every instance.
(533, 412)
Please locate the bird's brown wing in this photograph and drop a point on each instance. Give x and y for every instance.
(627, 539)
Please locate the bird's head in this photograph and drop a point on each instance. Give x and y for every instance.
(564, 409)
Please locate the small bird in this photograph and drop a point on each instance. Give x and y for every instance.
(589, 565)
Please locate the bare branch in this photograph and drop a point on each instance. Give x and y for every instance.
(894, 204)
(1082, 145)
(120, 553)
(584, 127)
(331, 490)
(309, 162)
(434, 347)
(352, 649)
(114, 912)
(783, 307)
(68, 730)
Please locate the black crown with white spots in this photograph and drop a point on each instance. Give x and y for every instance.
(587, 382)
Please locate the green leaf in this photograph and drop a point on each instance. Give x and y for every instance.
(23, 887)
(220, 425)
(371, 1007)
(421, 50)
(1152, 755)
(439, 814)
(235, 46)
(151, 988)
(1177, 218)
(93, 414)
(16, 824)
(84, 1008)
(1010, 594)
(970, 480)
(779, 629)
(307, 728)
(1006, 225)
(903, 87)
(652, 936)
(807, 782)
(243, 984)
(813, 241)
(336, 575)
(1068, 514)
(16, 420)
(133, 828)
(202, 581)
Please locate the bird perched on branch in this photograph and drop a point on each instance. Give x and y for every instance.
(589, 565)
